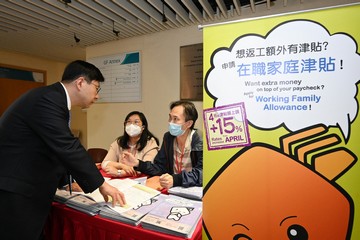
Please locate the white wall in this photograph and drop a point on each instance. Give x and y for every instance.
(160, 65)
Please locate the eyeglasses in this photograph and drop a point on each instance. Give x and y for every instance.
(136, 122)
(98, 88)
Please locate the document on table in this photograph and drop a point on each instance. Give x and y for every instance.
(135, 194)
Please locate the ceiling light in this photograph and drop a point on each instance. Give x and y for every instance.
(66, 2)
(116, 32)
(76, 38)
(164, 19)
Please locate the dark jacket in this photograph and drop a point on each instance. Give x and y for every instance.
(164, 162)
(36, 149)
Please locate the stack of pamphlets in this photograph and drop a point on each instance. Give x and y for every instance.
(174, 215)
(79, 202)
(94, 203)
(62, 196)
(131, 216)
(195, 193)
(136, 195)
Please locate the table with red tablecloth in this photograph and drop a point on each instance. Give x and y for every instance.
(69, 224)
(65, 223)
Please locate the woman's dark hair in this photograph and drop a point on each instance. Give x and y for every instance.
(145, 135)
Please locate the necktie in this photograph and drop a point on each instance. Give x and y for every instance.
(69, 119)
(70, 177)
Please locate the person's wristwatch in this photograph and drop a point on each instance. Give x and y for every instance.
(118, 172)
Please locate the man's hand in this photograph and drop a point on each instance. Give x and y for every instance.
(130, 160)
(166, 181)
(117, 197)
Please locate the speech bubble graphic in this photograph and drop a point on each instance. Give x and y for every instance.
(298, 75)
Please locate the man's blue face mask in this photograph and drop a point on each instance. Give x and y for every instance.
(175, 129)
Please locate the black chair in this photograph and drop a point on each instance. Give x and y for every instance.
(97, 154)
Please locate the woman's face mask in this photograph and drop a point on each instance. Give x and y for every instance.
(133, 130)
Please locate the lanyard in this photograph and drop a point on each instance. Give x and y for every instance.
(179, 163)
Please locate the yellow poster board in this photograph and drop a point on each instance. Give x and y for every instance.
(282, 127)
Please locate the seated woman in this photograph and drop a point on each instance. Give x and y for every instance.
(137, 140)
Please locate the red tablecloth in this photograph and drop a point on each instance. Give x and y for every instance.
(69, 224)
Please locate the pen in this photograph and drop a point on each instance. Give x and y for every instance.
(70, 184)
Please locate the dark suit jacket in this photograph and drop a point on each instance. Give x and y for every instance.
(37, 147)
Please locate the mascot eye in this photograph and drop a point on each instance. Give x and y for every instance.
(241, 237)
(297, 232)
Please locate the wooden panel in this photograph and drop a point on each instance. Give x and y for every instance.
(12, 87)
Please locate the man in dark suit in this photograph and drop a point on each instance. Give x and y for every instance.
(37, 149)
